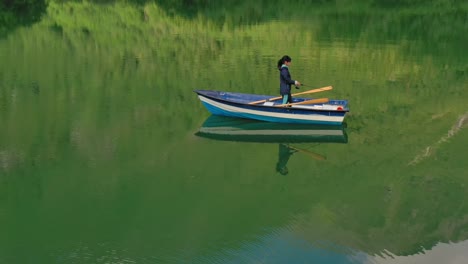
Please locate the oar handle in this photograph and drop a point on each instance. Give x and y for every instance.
(296, 94)
(314, 91)
(313, 101)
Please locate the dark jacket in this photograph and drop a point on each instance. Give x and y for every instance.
(285, 80)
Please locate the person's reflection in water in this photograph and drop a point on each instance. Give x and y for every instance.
(284, 154)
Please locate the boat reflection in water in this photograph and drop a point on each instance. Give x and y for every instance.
(246, 130)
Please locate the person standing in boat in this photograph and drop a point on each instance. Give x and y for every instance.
(285, 79)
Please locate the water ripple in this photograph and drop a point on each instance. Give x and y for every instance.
(429, 150)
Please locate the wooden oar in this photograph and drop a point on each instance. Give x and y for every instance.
(309, 153)
(313, 101)
(296, 94)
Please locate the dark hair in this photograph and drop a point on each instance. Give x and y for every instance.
(282, 60)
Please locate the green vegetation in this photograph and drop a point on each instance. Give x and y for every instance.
(19, 12)
(98, 115)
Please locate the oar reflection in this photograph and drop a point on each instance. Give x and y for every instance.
(285, 151)
(243, 130)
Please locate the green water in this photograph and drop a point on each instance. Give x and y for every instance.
(100, 161)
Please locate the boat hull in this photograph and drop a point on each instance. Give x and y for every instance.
(294, 114)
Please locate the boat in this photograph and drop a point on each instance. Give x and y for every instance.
(269, 108)
(246, 130)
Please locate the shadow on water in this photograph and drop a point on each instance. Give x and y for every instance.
(402, 28)
(16, 13)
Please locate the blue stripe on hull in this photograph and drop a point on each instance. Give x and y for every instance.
(217, 111)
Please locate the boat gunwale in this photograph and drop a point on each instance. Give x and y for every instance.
(200, 93)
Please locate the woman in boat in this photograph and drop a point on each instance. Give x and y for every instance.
(285, 79)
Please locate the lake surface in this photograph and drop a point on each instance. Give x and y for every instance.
(104, 155)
